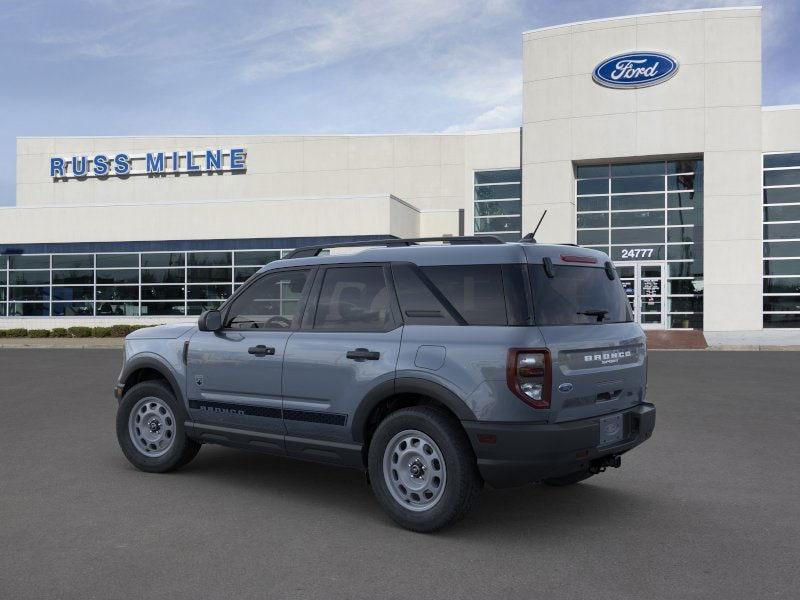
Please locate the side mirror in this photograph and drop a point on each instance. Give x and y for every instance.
(210, 320)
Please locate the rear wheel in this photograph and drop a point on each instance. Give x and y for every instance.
(150, 428)
(422, 469)
(567, 479)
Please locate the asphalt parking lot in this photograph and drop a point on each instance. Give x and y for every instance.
(708, 508)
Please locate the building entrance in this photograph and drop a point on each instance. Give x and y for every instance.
(644, 285)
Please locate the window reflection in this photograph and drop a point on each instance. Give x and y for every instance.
(129, 284)
(650, 210)
(498, 203)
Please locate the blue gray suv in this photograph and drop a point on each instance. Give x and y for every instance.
(433, 368)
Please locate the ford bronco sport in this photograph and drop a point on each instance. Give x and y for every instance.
(434, 368)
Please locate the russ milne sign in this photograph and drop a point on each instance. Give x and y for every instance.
(150, 163)
(635, 70)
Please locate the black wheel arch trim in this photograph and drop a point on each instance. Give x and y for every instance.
(150, 362)
(407, 385)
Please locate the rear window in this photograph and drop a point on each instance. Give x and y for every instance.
(577, 296)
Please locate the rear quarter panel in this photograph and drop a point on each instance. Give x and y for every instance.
(474, 365)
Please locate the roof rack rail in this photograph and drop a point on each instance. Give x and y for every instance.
(310, 251)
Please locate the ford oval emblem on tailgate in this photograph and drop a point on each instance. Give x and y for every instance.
(565, 387)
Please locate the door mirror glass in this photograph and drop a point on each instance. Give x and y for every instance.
(210, 320)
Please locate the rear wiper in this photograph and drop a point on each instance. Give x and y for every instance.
(594, 312)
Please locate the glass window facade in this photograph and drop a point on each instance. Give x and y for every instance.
(498, 204)
(124, 284)
(781, 247)
(649, 211)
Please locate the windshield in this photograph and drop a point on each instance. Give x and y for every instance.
(577, 296)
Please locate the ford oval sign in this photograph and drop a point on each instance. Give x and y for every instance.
(635, 70)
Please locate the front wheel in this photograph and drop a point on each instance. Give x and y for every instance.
(422, 469)
(150, 429)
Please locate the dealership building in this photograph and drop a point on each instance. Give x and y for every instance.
(643, 136)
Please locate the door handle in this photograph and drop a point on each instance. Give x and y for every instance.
(261, 350)
(361, 354)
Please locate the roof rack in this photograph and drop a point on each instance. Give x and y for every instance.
(310, 251)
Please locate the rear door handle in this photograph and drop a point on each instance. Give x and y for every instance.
(261, 350)
(361, 354)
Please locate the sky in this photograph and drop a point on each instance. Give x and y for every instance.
(171, 67)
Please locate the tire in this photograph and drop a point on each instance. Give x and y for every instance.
(430, 435)
(162, 446)
(567, 479)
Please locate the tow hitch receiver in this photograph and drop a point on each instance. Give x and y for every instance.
(601, 464)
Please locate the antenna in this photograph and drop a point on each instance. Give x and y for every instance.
(531, 237)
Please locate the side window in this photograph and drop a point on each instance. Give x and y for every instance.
(354, 299)
(475, 291)
(518, 295)
(272, 302)
(418, 304)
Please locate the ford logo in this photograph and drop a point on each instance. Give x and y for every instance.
(635, 70)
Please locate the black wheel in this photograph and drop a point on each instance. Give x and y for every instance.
(567, 479)
(150, 428)
(422, 469)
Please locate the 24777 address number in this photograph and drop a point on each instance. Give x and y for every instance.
(637, 253)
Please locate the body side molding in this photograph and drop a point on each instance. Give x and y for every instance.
(315, 450)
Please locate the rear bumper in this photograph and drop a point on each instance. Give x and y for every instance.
(527, 452)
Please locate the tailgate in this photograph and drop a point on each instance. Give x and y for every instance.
(597, 369)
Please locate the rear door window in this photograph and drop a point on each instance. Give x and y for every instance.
(577, 296)
(354, 299)
(418, 301)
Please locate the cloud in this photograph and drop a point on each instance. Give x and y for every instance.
(497, 117)
(331, 35)
(105, 29)
(492, 95)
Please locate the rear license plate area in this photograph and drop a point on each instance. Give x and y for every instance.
(611, 430)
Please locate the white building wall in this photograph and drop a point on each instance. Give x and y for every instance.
(780, 127)
(712, 107)
(432, 172)
(237, 219)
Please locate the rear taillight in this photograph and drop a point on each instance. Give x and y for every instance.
(528, 376)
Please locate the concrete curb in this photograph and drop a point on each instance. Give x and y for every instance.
(65, 343)
(754, 347)
(731, 348)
